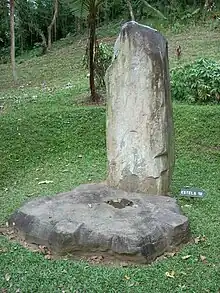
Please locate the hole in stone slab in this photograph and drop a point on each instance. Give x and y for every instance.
(120, 203)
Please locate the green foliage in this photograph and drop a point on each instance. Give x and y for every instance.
(215, 23)
(198, 82)
(102, 60)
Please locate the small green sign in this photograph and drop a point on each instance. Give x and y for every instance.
(192, 192)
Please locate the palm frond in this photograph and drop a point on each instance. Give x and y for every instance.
(158, 12)
(82, 8)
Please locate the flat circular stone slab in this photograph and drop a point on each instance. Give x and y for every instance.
(94, 218)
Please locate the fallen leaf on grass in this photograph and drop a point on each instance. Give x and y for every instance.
(29, 195)
(203, 238)
(170, 254)
(7, 277)
(42, 248)
(127, 277)
(124, 264)
(199, 239)
(170, 274)
(96, 258)
(186, 256)
(203, 258)
(45, 250)
(187, 205)
(45, 182)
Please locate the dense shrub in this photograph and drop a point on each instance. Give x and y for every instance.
(102, 60)
(198, 82)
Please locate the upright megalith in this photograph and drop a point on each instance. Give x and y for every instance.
(140, 138)
(121, 220)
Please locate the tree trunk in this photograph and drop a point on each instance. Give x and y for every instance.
(78, 25)
(55, 30)
(130, 9)
(44, 41)
(12, 31)
(94, 96)
(33, 27)
(49, 29)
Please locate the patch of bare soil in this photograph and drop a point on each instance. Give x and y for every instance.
(85, 100)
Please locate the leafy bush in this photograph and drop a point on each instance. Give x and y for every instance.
(198, 82)
(102, 59)
(4, 55)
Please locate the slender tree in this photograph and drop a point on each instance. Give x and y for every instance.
(92, 37)
(89, 9)
(49, 29)
(12, 32)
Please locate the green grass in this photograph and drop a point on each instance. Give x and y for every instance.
(52, 136)
(45, 136)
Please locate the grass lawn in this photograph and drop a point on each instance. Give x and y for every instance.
(46, 136)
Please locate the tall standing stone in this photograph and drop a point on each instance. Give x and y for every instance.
(140, 137)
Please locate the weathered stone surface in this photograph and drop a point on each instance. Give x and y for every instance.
(140, 143)
(95, 218)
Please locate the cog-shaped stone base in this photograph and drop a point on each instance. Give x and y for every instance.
(95, 218)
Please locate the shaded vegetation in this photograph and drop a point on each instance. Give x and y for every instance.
(198, 82)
